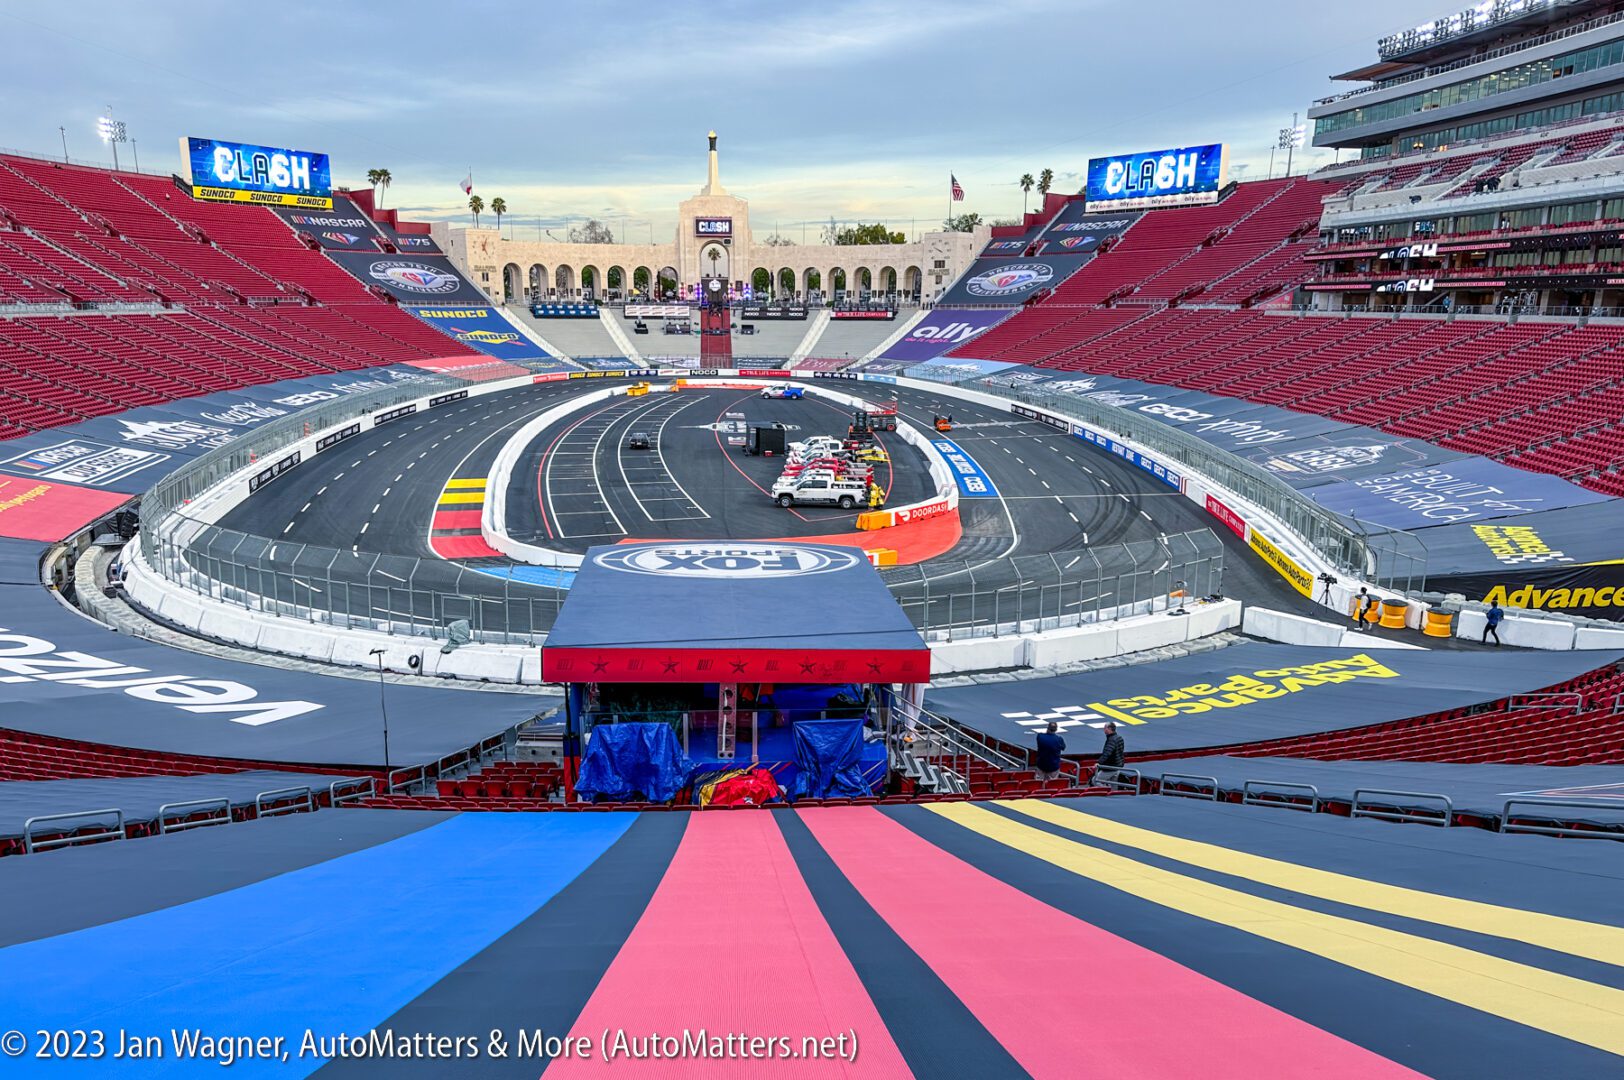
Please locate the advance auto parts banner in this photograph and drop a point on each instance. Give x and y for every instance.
(411, 279)
(1011, 282)
(1594, 590)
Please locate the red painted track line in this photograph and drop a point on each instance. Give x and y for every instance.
(729, 459)
(1064, 997)
(732, 941)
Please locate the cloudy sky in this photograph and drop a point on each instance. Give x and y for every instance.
(856, 111)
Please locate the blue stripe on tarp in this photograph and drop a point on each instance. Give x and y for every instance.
(338, 947)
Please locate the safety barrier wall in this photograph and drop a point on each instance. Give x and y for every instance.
(1301, 541)
(180, 541)
(493, 516)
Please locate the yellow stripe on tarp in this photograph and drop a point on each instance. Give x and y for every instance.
(468, 482)
(451, 498)
(1595, 941)
(1560, 1004)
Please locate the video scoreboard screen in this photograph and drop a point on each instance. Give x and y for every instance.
(713, 226)
(265, 175)
(1187, 176)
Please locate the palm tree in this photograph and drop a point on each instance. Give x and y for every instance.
(476, 204)
(1026, 183)
(715, 254)
(378, 178)
(1045, 181)
(499, 207)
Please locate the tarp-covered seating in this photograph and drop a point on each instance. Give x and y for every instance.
(626, 759)
(830, 756)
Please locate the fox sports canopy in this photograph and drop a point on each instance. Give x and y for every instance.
(732, 611)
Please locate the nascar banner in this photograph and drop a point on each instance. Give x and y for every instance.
(1074, 232)
(411, 243)
(344, 228)
(412, 279)
(1011, 282)
(480, 328)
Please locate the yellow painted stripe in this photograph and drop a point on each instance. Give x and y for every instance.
(1572, 1008)
(468, 482)
(1597, 941)
(452, 497)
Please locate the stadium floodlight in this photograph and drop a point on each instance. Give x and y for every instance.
(112, 133)
(1291, 138)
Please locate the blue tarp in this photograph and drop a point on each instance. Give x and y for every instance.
(829, 754)
(627, 758)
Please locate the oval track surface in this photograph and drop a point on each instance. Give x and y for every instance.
(374, 497)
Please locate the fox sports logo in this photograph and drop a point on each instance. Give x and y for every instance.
(731, 561)
(414, 277)
(1005, 280)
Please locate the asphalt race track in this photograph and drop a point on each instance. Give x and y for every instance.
(578, 484)
(357, 520)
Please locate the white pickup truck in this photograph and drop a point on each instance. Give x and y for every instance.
(820, 488)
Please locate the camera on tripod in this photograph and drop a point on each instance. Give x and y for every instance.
(1328, 579)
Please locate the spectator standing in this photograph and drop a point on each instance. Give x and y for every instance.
(1050, 747)
(1112, 754)
(1491, 622)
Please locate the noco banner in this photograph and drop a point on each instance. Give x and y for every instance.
(415, 279)
(222, 171)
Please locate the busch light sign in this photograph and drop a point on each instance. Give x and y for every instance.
(1187, 176)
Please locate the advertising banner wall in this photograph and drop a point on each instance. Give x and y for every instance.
(344, 228)
(424, 279)
(943, 329)
(1074, 232)
(1594, 590)
(1382, 479)
(480, 328)
(1252, 692)
(1012, 281)
(411, 243)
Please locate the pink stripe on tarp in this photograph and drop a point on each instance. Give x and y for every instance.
(733, 942)
(1064, 997)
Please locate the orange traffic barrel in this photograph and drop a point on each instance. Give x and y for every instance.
(1393, 613)
(1439, 623)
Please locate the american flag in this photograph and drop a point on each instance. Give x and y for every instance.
(958, 191)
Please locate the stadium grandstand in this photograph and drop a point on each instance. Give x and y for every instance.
(1173, 630)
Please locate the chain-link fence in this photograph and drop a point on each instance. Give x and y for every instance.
(1061, 588)
(1344, 547)
(349, 588)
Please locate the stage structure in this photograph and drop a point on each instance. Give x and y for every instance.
(682, 661)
